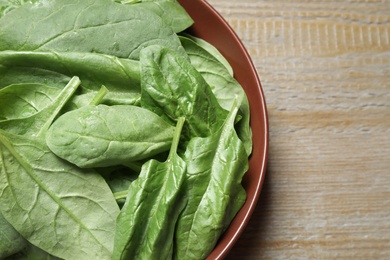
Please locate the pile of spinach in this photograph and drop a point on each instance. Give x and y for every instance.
(121, 137)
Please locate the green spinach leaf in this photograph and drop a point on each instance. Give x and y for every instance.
(146, 224)
(170, 11)
(100, 26)
(215, 167)
(11, 241)
(213, 68)
(37, 124)
(26, 99)
(32, 252)
(67, 212)
(99, 136)
(180, 201)
(120, 76)
(11, 75)
(173, 88)
(206, 47)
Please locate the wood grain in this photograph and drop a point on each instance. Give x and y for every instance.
(325, 71)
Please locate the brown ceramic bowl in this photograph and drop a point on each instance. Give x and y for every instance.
(211, 26)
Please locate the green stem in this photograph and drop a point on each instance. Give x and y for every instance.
(176, 136)
(51, 112)
(120, 195)
(97, 99)
(130, 2)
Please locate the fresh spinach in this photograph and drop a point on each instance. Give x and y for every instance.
(26, 98)
(217, 73)
(28, 167)
(146, 224)
(11, 75)
(100, 136)
(209, 48)
(91, 164)
(215, 166)
(44, 197)
(173, 88)
(37, 124)
(31, 252)
(216, 158)
(170, 11)
(85, 26)
(120, 76)
(10, 240)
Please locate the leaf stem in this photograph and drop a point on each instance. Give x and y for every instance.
(120, 195)
(97, 99)
(54, 108)
(176, 136)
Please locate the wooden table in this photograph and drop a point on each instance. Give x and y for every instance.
(325, 70)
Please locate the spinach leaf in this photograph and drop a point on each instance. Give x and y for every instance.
(32, 252)
(27, 99)
(52, 203)
(120, 76)
(146, 224)
(99, 136)
(173, 88)
(37, 124)
(206, 47)
(11, 241)
(131, 48)
(211, 65)
(170, 11)
(215, 167)
(100, 26)
(11, 75)
(9, 5)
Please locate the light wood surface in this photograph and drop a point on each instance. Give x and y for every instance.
(325, 71)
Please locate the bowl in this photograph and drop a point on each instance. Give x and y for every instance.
(212, 27)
